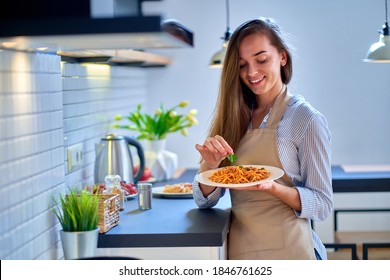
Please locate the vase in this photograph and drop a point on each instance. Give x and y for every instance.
(161, 162)
(155, 146)
(79, 244)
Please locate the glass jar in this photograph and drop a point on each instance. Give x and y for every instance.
(113, 186)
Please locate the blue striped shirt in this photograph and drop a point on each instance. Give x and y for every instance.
(304, 145)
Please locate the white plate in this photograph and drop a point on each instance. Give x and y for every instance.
(131, 196)
(203, 177)
(158, 192)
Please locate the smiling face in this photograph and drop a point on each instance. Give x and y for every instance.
(260, 64)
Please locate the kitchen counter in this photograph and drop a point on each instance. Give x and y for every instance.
(360, 179)
(171, 223)
(175, 228)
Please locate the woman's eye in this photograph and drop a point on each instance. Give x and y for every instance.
(261, 61)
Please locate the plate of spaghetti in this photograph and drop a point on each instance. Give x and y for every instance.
(237, 176)
(179, 190)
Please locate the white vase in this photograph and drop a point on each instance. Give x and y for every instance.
(155, 146)
(161, 162)
(79, 244)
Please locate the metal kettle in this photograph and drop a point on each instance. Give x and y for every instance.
(113, 157)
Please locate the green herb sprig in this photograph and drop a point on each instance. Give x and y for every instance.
(232, 158)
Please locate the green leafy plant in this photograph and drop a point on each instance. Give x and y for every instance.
(77, 210)
(159, 125)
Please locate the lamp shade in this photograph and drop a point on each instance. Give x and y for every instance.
(217, 59)
(379, 51)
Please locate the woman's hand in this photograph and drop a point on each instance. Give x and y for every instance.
(213, 151)
(267, 187)
(288, 195)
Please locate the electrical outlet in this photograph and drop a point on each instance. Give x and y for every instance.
(75, 156)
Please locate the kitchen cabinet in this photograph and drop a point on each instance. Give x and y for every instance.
(174, 228)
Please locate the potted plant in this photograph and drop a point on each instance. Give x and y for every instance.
(78, 214)
(153, 129)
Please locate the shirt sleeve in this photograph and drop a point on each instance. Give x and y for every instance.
(206, 202)
(316, 191)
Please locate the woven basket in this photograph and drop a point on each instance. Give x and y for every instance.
(109, 208)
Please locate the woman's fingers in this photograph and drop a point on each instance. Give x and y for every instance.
(199, 147)
(214, 149)
(208, 155)
(214, 146)
(260, 187)
(218, 145)
(224, 144)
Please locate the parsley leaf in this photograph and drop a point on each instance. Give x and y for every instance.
(232, 157)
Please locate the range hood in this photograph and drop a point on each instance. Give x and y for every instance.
(75, 30)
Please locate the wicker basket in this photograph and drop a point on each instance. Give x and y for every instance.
(109, 208)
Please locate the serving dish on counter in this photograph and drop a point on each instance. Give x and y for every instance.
(184, 190)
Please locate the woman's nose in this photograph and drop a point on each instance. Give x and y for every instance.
(252, 70)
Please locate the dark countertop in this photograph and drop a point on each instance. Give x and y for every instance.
(359, 181)
(172, 222)
(178, 222)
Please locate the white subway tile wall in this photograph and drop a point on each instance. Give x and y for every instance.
(92, 96)
(46, 106)
(31, 154)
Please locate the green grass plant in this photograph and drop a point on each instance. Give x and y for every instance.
(77, 210)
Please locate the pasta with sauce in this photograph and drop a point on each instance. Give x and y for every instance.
(239, 174)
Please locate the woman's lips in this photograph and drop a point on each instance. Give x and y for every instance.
(256, 81)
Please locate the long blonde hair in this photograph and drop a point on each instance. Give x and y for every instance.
(235, 100)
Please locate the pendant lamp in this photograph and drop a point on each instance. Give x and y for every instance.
(217, 59)
(380, 51)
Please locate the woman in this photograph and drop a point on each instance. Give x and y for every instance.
(258, 120)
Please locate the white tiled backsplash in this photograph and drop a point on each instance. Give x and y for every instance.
(45, 107)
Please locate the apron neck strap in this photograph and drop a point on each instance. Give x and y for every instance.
(278, 108)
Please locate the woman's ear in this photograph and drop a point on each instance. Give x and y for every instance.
(283, 58)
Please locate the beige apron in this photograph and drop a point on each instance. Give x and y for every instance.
(262, 226)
